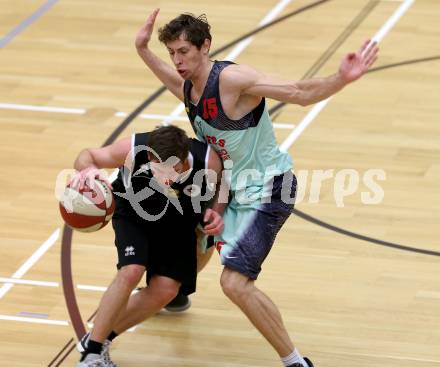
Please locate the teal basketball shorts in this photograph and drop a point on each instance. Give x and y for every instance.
(251, 229)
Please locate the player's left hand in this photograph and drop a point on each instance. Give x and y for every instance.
(214, 223)
(354, 65)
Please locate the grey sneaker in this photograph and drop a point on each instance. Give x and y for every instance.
(81, 346)
(92, 360)
(105, 354)
(179, 304)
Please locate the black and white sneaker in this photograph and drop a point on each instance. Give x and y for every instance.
(308, 361)
(179, 304)
(81, 346)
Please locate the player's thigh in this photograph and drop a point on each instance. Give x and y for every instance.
(131, 241)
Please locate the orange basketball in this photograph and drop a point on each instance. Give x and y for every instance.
(87, 210)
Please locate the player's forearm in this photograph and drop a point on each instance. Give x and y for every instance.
(315, 90)
(84, 160)
(219, 207)
(163, 71)
(220, 200)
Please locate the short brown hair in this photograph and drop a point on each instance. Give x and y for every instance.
(195, 29)
(169, 141)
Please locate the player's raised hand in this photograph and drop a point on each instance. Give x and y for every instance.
(144, 34)
(354, 65)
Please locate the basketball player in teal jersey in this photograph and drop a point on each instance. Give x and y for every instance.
(225, 103)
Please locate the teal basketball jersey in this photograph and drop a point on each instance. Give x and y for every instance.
(248, 148)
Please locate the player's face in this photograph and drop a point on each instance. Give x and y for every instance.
(187, 58)
(166, 173)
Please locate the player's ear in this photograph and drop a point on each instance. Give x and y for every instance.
(152, 157)
(206, 46)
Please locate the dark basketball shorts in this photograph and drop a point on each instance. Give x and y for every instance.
(166, 247)
(251, 227)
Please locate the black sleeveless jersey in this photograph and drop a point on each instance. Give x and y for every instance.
(139, 196)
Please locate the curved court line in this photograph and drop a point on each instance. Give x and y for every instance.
(66, 242)
(348, 233)
(26, 23)
(68, 287)
(404, 63)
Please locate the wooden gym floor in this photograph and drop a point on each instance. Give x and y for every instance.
(358, 284)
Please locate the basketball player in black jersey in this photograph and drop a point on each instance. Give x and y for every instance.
(225, 103)
(164, 183)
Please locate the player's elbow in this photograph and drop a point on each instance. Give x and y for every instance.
(297, 96)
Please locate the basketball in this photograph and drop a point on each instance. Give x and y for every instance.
(87, 210)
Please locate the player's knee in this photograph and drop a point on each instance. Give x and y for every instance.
(130, 275)
(167, 294)
(165, 289)
(232, 287)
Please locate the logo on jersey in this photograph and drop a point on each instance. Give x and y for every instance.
(129, 251)
(219, 146)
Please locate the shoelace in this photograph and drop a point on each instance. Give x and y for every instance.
(106, 354)
(98, 364)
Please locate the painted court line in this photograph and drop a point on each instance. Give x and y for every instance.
(267, 19)
(391, 22)
(82, 111)
(27, 22)
(308, 119)
(150, 116)
(40, 283)
(31, 261)
(33, 320)
(91, 288)
(24, 107)
(29, 282)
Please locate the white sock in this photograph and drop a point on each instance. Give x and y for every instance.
(292, 358)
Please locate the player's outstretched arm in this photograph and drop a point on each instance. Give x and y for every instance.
(304, 92)
(163, 71)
